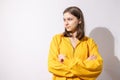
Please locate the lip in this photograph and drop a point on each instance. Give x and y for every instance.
(67, 26)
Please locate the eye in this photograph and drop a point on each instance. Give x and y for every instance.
(63, 19)
(69, 19)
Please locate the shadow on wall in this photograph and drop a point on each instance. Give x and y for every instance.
(105, 42)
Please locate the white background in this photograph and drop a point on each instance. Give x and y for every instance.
(27, 26)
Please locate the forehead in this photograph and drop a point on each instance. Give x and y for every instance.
(67, 15)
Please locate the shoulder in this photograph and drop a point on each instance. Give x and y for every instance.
(86, 38)
(89, 40)
(57, 37)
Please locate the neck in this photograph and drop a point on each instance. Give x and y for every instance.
(74, 34)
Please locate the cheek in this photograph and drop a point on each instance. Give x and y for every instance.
(74, 24)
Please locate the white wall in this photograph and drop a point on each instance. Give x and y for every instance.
(26, 28)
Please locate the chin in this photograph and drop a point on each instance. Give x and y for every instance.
(69, 30)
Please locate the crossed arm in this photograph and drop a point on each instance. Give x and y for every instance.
(90, 68)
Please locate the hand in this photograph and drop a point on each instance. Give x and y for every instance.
(92, 57)
(61, 57)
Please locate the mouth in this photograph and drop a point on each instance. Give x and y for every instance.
(68, 27)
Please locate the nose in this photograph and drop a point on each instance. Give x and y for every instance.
(65, 23)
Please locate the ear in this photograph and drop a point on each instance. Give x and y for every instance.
(80, 21)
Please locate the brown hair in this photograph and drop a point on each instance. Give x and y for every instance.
(80, 28)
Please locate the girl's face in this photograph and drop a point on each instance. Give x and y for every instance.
(70, 22)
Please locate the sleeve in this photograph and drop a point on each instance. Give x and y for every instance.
(54, 66)
(88, 69)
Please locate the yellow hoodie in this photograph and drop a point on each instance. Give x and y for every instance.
(76, 66)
